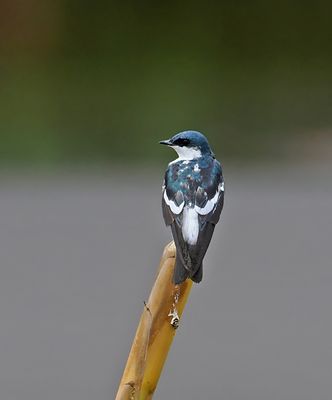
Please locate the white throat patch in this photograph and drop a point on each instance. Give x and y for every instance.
(186, 153)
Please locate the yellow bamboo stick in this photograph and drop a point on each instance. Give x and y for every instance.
(155, 332)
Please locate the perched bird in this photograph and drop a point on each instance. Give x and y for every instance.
(192, 200)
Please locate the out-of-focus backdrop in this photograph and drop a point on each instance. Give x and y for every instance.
(104, 81)
(86, 92)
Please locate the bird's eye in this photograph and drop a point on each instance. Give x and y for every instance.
(181, 142)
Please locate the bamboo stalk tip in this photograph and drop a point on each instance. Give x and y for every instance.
(170, 250)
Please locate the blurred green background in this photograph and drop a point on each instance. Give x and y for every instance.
(102, 81)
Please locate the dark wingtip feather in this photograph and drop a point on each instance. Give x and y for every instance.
(198, 275)
(180, 272)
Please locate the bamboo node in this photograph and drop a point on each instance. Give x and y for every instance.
(147, 308)
(133, 389)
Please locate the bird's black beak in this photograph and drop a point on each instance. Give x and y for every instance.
(166, 142)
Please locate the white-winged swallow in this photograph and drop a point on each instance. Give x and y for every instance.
(192, 200)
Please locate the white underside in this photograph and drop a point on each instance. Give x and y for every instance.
(190, 227)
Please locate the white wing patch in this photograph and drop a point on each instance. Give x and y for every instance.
(172, 205)
(210, 204)
(190, 227)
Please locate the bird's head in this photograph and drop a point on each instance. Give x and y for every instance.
(189, 144)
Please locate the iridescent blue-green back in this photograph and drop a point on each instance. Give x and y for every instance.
(187, 176)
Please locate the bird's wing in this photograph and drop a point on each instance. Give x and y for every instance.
(209, 201)
(209, 197)
(172, 204)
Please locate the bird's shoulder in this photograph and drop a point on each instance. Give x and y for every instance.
(196, 169)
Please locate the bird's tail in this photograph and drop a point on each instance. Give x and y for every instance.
(181, 273)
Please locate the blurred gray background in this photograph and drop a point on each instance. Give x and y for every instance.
(79, 253)
(87, 91)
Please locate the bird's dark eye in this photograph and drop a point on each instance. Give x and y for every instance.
(181, 142)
